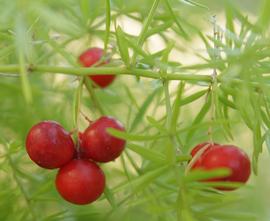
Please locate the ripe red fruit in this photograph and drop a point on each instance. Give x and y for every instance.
(99, 145)
(49, 145)
(80, 181)
(226, 156)
(200, 146)
(196, 149)
(91, 57)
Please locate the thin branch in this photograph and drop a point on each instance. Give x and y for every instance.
(106, 70)
(9, 75)
(145, 27)
(91, 92)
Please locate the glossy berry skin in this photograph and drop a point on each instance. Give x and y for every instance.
(200, 146)
(197, 148)
(99, 145)
(91, 57)
(80, 181)
(226, 156)
(49, 145)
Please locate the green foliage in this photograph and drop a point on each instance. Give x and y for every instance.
(166, 102)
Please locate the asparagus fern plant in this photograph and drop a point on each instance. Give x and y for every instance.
(167, 103)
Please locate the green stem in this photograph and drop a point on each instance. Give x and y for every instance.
(24, 79)
(91, 91)
(134, 165)
(175, 19)
(76, 111)
(183, 209)
(145, 28)
(106, 70)
(17, 181)
(176, 107)
(77, 103)
(169, 112)
(168, 104)
(108, 24)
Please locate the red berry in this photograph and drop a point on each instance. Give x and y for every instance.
(99, 145)
(49, 145)
(226, 156)
(194, 151)
(91, 57)
(80, 181)
(200, 146)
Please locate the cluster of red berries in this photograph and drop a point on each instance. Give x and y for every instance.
(207, 156)
(79, 180)
(210, 156)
